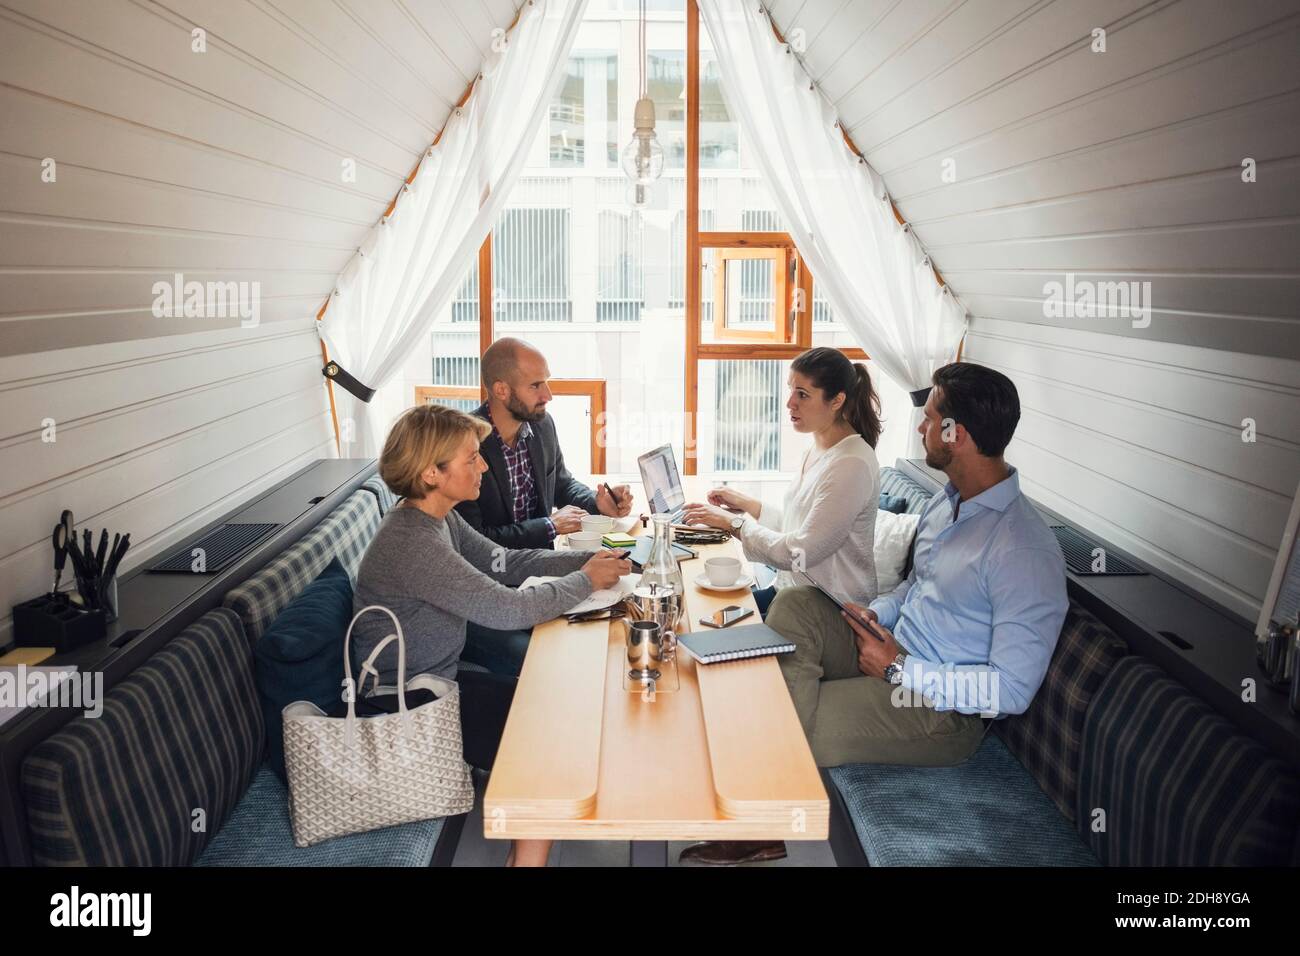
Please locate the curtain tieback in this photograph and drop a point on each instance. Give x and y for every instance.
(337, 373)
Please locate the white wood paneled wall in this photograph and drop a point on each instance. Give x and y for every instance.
(1122, 165)
(225, 166)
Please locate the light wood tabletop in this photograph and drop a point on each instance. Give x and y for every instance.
(721, 757)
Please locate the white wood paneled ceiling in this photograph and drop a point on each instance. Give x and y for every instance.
(225, 164)
(1123, 164)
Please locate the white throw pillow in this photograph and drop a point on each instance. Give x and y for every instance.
(894, 535)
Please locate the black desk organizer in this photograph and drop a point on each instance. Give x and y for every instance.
(55, 622)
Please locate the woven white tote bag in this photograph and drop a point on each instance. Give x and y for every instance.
(350, 774)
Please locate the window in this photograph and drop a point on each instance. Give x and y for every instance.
(601, 290)
(719, 135)
(619, 280)
(748, 398)
(665, 83)
(585, 110)
(530, 266)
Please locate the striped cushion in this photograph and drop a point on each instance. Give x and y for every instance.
(1178, 784)
(182, 733)
(986, 811)
(345, 534)
(894, 482)
(376, 486)
(260, 834)
(1048, 737)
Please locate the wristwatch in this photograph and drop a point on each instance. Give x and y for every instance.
(736, 522)
(894, 669)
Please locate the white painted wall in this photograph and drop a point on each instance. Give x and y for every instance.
(1123, 165)
(223, 165)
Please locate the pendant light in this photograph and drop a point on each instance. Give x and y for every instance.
(643, 157)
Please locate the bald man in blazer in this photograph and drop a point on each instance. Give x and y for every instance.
(525, 480)
(526, 477)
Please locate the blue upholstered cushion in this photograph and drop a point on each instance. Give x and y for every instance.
(376, 486)
(259, 834)
(893, 482)
(344, 534)
(894, 503)
(300, 657)
(987, 811)
(1179, 785)
(182, 734)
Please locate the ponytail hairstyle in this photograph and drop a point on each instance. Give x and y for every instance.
(831, 371)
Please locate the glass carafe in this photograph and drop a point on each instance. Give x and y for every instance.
(659, 595)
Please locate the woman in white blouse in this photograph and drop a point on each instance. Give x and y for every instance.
(825, 532)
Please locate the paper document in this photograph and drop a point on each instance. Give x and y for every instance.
(599, 599)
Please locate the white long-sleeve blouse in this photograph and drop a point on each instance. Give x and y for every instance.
(826, 525)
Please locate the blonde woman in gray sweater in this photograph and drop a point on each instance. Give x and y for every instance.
(435, 572)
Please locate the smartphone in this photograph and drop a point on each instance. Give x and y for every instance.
(727, 616)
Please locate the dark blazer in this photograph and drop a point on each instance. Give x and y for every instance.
(493, 513)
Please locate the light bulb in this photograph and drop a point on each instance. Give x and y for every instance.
(643, 158)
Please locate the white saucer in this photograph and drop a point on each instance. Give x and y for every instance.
(744, 581)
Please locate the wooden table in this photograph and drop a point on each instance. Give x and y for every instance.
(721, 758)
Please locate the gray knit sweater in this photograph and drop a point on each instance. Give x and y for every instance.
(435, 574)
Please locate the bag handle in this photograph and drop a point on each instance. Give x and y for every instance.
(368, 667)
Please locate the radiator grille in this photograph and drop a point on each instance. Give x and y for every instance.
(1079, 557)
(220, 547)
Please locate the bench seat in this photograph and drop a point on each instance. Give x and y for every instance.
(986, 811)
(259, 833)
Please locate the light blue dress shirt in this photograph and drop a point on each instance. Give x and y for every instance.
(980, 613)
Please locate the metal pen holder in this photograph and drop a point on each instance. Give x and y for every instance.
(1277, 656)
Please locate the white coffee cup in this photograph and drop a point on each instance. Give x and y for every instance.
(722, 572)
(597, 523)
(585, 540)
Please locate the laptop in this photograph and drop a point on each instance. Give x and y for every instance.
(663, 483)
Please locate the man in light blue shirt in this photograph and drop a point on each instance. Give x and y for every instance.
(971, 630)
(969, 633)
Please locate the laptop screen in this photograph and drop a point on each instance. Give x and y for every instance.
(663, 485)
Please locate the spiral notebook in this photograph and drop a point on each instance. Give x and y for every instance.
(734, 643)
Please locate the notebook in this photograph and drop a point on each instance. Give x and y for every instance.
(734, 643)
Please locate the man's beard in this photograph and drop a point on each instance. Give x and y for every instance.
(940, 459)
(521, 411)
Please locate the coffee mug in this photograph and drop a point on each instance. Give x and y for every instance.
(597, 523)
(722, 572)
(585, 540)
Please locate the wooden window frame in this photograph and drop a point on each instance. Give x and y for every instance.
(794, 294)
(781, 329)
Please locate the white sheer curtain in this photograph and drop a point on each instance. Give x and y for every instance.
(869, 267)
(411, 264)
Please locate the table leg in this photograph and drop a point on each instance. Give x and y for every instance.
(649, 853)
